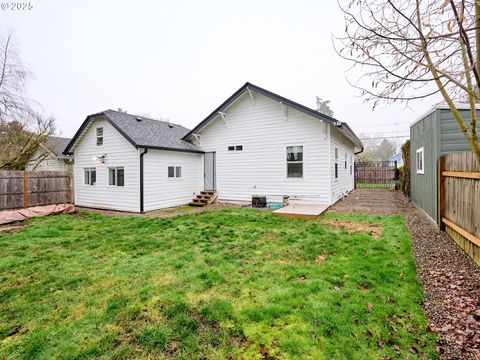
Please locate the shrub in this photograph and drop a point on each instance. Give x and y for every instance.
(404, 179)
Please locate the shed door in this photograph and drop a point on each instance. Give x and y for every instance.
(209, 171)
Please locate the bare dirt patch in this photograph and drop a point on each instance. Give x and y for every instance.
(166, 213)
(375, 230)
(449, 277)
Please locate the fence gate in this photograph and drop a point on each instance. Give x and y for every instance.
(376, 175)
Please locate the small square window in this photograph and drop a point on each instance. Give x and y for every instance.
(231, 148)
(178, 171)
(171, 171)
(239, 147)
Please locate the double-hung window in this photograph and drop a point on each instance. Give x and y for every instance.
(116, 176)
(99, 131)
(420, 161)
(295, 161)
(174, 172)
(89, 176)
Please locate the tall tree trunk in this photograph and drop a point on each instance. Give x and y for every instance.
(477, 33)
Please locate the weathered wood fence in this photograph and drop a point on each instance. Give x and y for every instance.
(376, 173)
(21, 189)
(459, 201)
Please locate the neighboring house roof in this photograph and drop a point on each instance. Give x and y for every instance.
(142, 132)
(56, 145)
(341, 126)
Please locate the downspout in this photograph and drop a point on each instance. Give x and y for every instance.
(359, 152)
(141, 180)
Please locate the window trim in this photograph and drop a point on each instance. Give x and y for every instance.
(99, 136)
(234, 148)
(337, 152)
(89, 170)
(422, 152)
(175, 169)
(294, 162)
(115, 168)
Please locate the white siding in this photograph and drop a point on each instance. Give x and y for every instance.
(345, 181)
(161, 191)
(51, 164)
(119, 153)
(260, 168)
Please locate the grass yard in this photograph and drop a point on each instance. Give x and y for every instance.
(375, 186)
(222, 284)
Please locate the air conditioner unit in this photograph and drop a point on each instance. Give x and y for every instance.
(259, 201)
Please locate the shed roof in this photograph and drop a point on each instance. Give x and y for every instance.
(443, 106)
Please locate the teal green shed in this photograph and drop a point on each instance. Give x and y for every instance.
(434, 134)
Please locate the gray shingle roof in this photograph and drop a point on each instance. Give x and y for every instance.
(145, 132)
(142, 132)
(57, 144)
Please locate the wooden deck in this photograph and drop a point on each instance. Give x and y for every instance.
(301, 211)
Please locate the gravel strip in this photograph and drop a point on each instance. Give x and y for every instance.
(450, 279)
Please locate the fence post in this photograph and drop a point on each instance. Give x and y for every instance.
(441, 192)
(25, 189)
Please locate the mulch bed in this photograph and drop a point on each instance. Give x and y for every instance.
(451, 280)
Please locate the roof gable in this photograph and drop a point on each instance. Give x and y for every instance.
(341, 126)
(141, 132)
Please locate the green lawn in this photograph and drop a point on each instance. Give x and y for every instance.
(210, 285)
(375, 186)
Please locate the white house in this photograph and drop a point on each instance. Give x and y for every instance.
(255, 143)
(50, 156)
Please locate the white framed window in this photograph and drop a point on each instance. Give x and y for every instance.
(295, 161)
(345, 160)
(89, 176)
(420, 161)
(116, 176)
(235, 148)
(174, 172)
(99, 132)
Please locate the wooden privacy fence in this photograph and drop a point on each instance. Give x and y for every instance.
(376, 174)
(21, 189)
(459, 201)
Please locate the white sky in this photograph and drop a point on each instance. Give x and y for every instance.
(180, 59)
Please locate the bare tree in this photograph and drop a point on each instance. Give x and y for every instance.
(412, 49)
(22, 129)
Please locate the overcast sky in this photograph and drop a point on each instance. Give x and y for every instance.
(180, 59)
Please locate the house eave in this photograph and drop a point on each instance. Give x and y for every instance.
(304, 109)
